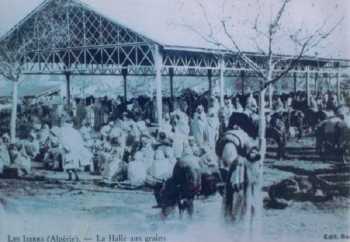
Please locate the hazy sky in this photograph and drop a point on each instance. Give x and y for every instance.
(133, 13)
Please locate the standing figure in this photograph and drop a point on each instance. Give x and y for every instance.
(238, 105)
(227, 109)
(32, 146)
(90, 115)
(98, 115)
(251, 105)
(278, 107)
(239, 170)
(80, 113)
(213, 128)
(199, 126)
(70, 164)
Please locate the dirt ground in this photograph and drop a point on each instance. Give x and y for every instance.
(53, 206)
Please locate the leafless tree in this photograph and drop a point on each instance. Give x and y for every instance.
(268, 36)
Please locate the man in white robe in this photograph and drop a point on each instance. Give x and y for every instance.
(180, 134)
(199, 126)
(32, 146)
(213, 128)
(181, 121)
(143, 159)
(238, 105)
(44, 134)
(214, 104)
(90, 115)
(278, 107)
(228, 109)
(251, 105)
(288, 103)
(166, 125)
(114, 166)
(313, 104)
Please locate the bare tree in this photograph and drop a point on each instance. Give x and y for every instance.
(269, 34)
(11, 69)
(14, 47)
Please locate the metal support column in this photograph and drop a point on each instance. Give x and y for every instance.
(316, 84)
(210, 76)
(307, 86)
(222, 81)
(68, 93)
(242, 75)
(158, 61)
(295, 79)
(338, 87)
(171, 77)
(125, 84)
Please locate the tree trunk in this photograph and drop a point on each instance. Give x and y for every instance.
(262, 124)
(257, 228)
(14, 112)
(270, 96)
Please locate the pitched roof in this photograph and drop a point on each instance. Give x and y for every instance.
(162, 21)
(159, 20)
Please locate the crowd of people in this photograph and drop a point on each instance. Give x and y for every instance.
(119, 141)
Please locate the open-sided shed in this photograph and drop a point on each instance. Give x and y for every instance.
(90, 39)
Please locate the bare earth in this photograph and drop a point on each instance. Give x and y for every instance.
(54, 206)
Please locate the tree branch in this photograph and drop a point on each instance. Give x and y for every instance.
(311, 42)
(243, 56)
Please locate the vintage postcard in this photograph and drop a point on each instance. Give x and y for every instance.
(174, 120)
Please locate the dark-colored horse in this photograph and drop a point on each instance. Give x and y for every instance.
(332, 139)
(313, 118)
(186, 183)
(181, 189)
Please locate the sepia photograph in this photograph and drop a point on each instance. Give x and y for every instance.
(174, 120)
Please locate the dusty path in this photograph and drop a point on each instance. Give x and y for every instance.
(52, 205)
